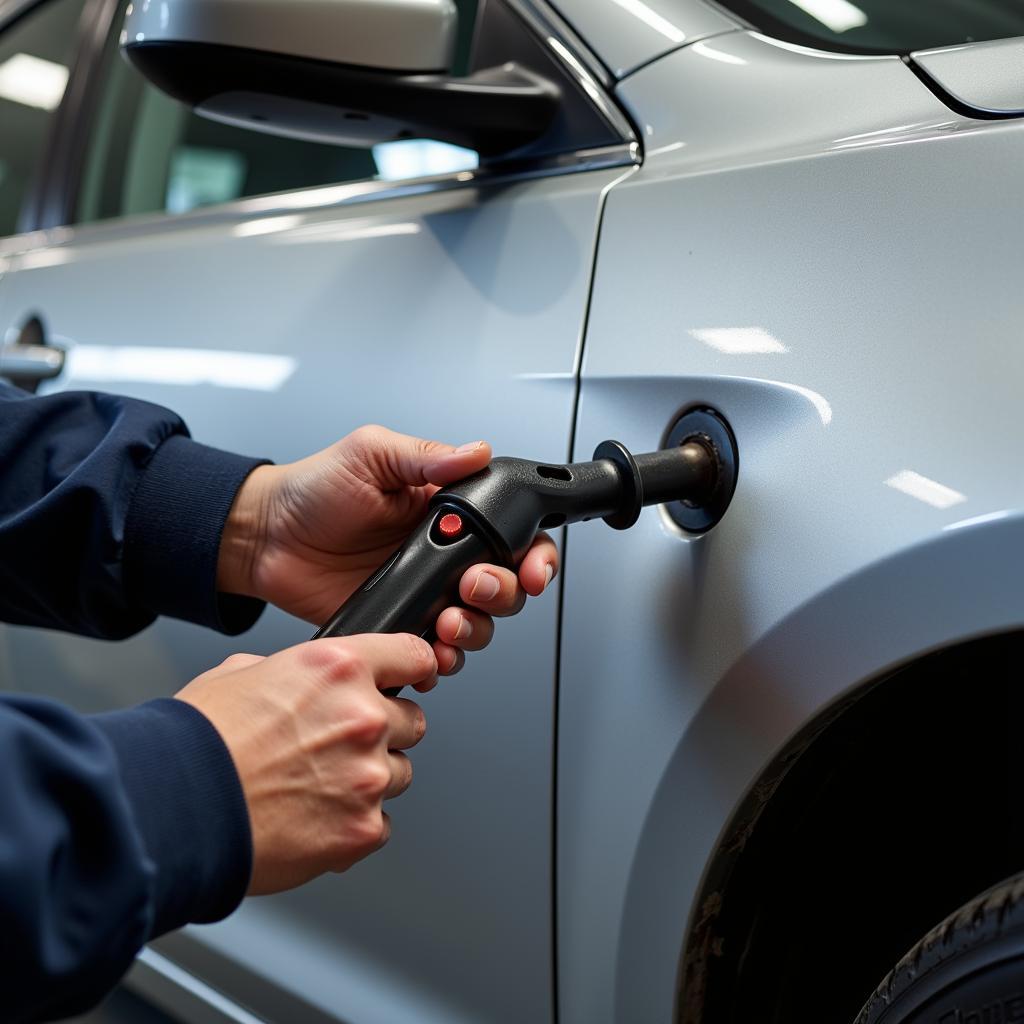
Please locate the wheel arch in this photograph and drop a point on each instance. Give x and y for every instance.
(774, 703)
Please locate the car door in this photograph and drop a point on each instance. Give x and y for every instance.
(450, 306)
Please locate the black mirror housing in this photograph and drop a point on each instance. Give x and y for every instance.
(493, 111)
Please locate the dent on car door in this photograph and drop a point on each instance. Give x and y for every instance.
(275, 325)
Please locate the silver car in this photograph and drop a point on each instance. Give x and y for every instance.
(721, 777)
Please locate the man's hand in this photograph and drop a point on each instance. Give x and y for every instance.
(303, 536)
(317, 746)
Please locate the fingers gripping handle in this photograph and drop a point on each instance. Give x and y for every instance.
(408, 592)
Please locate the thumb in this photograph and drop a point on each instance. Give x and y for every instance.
(398, 459)
(444, 464)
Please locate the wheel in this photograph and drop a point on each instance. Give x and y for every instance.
(967, 970)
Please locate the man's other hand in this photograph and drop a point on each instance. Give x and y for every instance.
(317, 746)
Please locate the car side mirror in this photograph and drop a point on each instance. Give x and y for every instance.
(353, 72)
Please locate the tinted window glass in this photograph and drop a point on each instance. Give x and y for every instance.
(883, 26)
(35, 55)
(148, 153)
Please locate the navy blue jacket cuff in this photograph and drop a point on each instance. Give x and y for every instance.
(173, 530)
(188, 807)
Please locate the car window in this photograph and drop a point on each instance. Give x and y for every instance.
(148, 153)
(883, 26)
(35, 55)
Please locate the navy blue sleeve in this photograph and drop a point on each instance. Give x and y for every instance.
(110, 514)
(113, 830)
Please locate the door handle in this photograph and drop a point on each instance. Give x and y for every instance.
(29, 359)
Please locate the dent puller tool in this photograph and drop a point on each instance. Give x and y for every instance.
(494, 515)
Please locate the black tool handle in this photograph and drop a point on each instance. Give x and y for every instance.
(408, 592)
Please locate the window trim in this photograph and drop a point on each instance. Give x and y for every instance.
(312, 199)
(578, 61)
(76, 117)
(751, 17)
(52, 203)
(58, 171)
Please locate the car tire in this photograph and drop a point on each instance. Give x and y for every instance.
(967, 970)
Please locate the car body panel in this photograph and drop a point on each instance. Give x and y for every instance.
(785, 256)
(452, 313)
(626, 34)
(985, 76)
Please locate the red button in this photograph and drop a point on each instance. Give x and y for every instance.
(450, 525)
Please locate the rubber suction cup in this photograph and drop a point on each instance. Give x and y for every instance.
(708, 427)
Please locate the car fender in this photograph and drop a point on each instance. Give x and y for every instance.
(801, 674)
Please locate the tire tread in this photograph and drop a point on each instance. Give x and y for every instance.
(990, 915)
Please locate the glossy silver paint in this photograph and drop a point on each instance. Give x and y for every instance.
(987, 76)
(628, 33)
(398, 35)
(796, 273)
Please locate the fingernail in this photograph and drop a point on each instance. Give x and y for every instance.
(465, 449)
(486, 587)
(465, 629)
(549, 572)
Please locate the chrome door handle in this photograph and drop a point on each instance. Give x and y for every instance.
(31, 362)
(29, 358)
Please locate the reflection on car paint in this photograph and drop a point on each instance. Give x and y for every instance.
(188, 367)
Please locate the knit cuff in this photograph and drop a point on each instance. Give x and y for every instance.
(173, 532)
